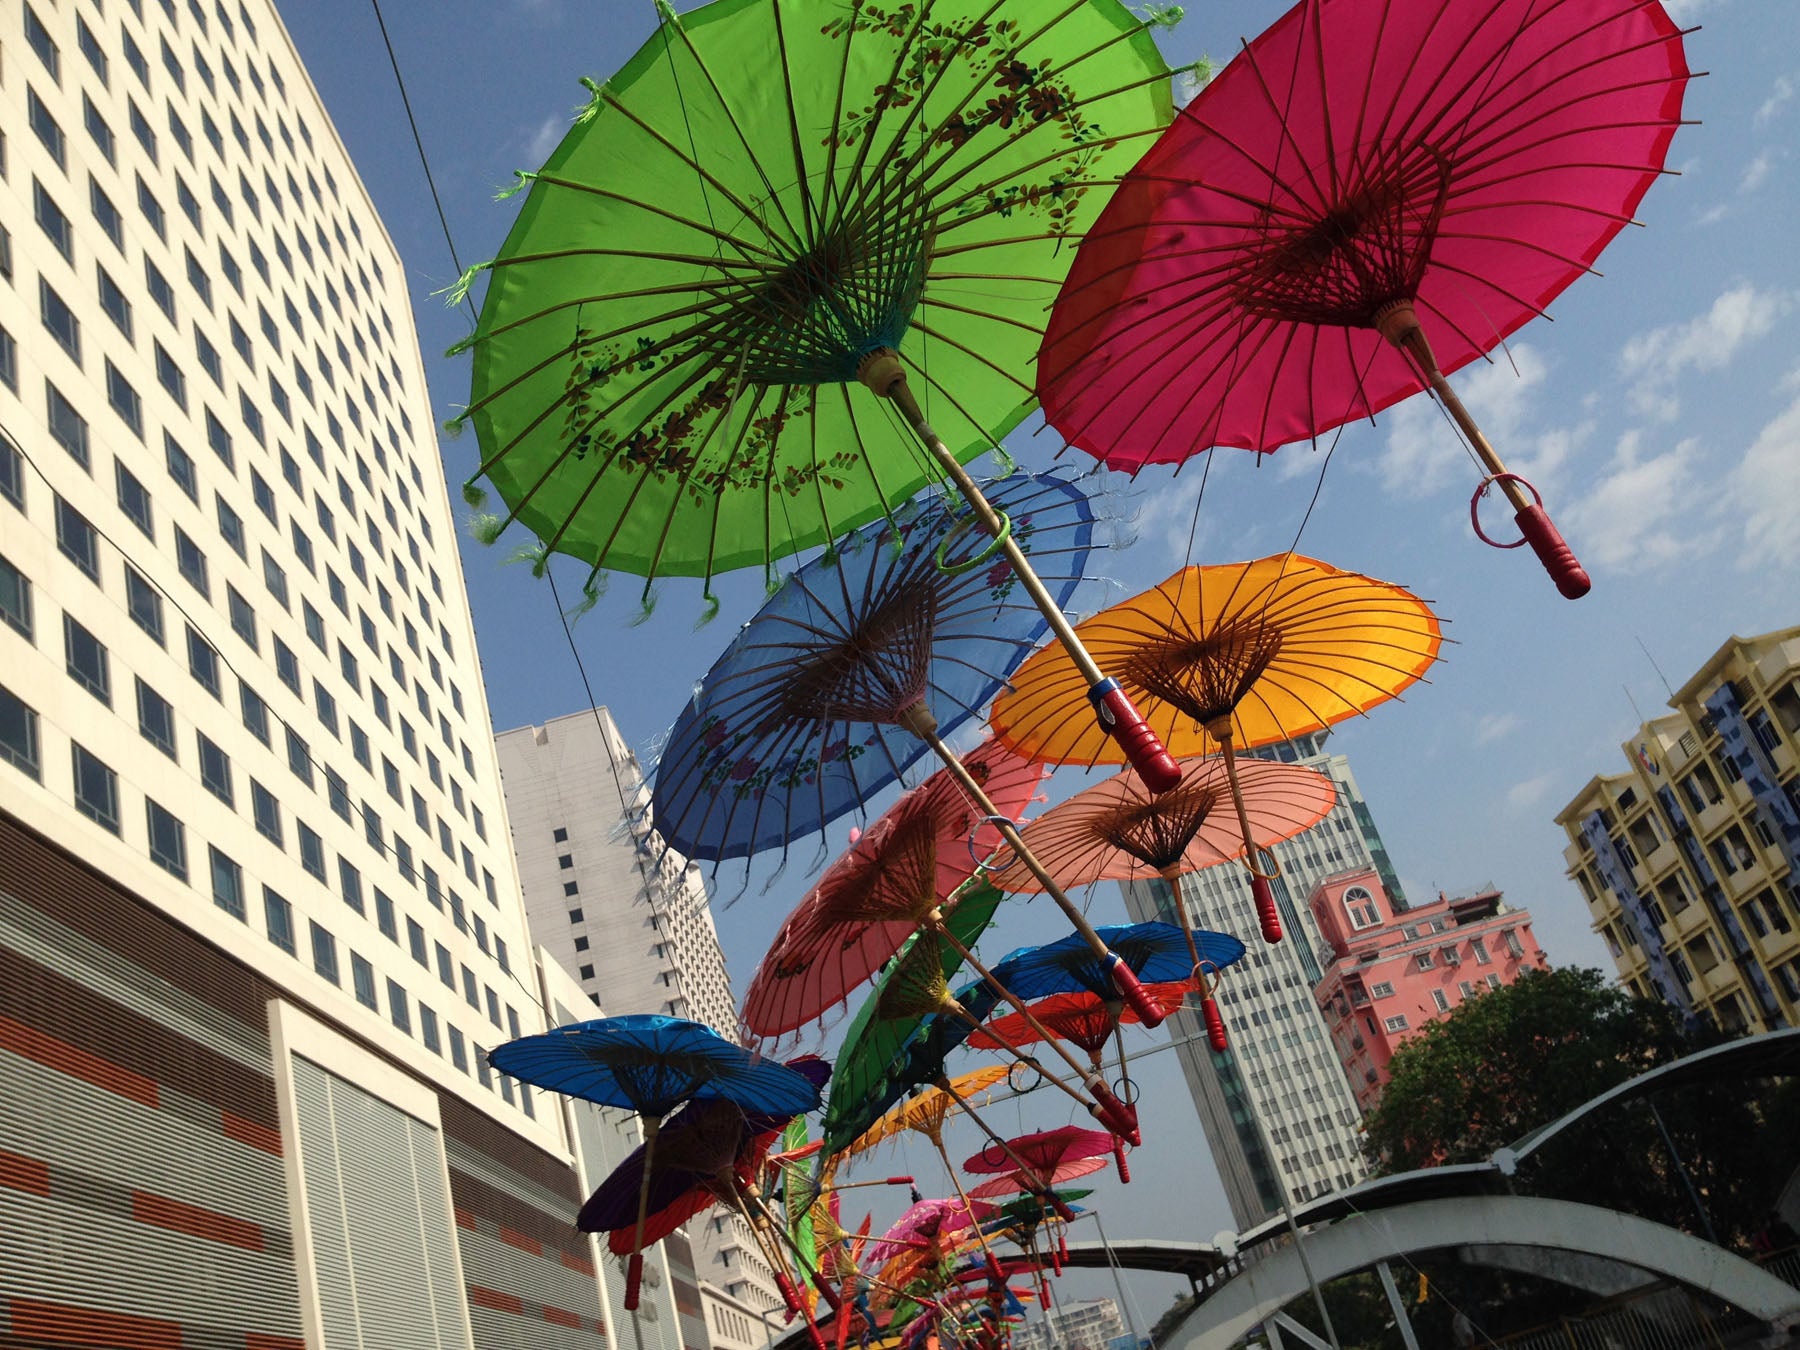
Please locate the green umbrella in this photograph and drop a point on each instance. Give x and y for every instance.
(781, 222)
(873, 1045)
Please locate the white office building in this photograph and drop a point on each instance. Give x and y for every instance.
(630, 920)
(259, 916)
(1281, 1064)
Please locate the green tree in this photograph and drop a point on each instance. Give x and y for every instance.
(1511, 1060)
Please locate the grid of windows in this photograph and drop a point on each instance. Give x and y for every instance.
(305, 303)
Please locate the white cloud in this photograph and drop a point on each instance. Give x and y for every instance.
(1687, 12)
(1713, 214)
(1523, 796)
(1164, 519)
(1763, 489)
(1653, 361)
(1756, 172)
(548, 135)
(1421, 455)
(1637, 514)
(1779, 96)
(1495, 725)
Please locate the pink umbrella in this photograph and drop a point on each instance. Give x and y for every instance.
(881, 888)
(1365, 170)
(926, 1224)
(1009, 1183)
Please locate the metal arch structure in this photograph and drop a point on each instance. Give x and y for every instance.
(1772, 1054)
(1261, 1289)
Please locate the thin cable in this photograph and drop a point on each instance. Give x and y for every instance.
(419, 144)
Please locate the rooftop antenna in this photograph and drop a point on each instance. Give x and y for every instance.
(1637, 711)
(1658, 669)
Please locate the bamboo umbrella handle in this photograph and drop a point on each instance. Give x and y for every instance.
(1268, 918)
(634, 1267)
(754, 1198)
(882, 372)
(1398, 322)
(918, 720)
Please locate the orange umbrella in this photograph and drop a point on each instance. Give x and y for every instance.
(1230, 656)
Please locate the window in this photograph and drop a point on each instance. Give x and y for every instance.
(39, 38)
(243, 617)
(384, 916)
(161, 293)
(218, 439)
(113, 302)
(415, 943)
(15, 599)
(581, 944)
(156, 719)
(19, 734)
(106, 214)
(428, 1030)
(312, 851)
(203, 662)
(9, 348)
(125, 401)
(256, 712)
(1396, 1023)
(181, 468)
(576, 916)
(1441, 1000)
(1423, 961)
(278, 920)
(169, 375)
(324, 952)
(337, 795)
(68, 428)
(45, 128)
(98, 131)
(1382, 989)
(267, 812)
(53, 221)
(86, 660)
(60, 322)
(287, 665)
(144, 603)
(560, 835)
(215, 769)
(362, 979)
(459, 1053)
(96, 788)
(227, 884)
(1479, 947)
(299, 757)
(141, 128)
(587, 972)
(397, 1007)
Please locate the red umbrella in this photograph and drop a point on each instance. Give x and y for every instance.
(880, 889)
(1364, 170)
(1041, 1152)
(1007, 1183)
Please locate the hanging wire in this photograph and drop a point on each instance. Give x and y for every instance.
(419, 145)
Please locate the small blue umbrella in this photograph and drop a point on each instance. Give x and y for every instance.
(1156, 952)
(650, 1065)
(802, 718)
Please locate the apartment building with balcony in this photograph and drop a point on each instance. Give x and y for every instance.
(1388, 974)
(1689, 859)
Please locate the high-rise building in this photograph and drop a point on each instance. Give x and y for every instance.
(1281, 1069)
(1689, 860)
(1389, 973)
(630, 919)
(259, 916)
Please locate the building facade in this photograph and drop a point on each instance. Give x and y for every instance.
(259, 917)
(1689, 859)
(1281, 1068)
(1089, 1325)
(1389, 973)
(631, 921)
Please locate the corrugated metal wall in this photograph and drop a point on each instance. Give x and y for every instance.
(143, 1192)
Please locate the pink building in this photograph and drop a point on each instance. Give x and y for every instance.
(1387, 973)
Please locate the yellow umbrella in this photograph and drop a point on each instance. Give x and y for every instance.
(1229, 656)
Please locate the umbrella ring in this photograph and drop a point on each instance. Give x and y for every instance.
(1125, 1090)
(1481, 491)
(993, 1154)
(982, 864)
(1019, 1084)
(1207, 975)
(995, 544)
(1271, 868)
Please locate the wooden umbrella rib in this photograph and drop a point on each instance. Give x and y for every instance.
(973, 355)
(737, 242)
(809, 212)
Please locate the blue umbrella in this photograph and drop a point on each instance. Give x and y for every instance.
(805, 716)
(651, 1064)
(1156, 952)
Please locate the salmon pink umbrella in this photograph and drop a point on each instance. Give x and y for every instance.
(1364, 171)
(1027, 1179)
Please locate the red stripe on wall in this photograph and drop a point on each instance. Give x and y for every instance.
(493, 1298)
(182, 1217)
(67, 1325)
(579, 1264)
(257, 1340)
(561, 1318)
(65, 1058)
(464, 1219)
(512, 1238)
(249, 1132)
(19, 1173)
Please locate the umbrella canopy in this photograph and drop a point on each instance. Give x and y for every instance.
(926, 1113)
(666, 360)
(1043, 1151)
(874, 897)
(1158, 952)
(1009, 1183)
(927, 1222)
(692, 1148)
(649, 1064)
(1281, 646)
(1082, 1018)
(1117, 831)
(866, 1080)
(804, 717)
(1364, 168)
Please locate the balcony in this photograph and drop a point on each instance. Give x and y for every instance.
(1664, 856)
(1714, 817)
(1782, 758)
(1746, 880)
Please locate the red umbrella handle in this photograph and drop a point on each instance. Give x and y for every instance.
(1121, 720)
(1119, 1161)
(1572, 580)
(1131, 989)
(1268, 918)
(634, 1280)
(1215, 1024)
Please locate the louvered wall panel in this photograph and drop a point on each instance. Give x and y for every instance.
(142, 1189)
(444, 1298)
(328, 1227)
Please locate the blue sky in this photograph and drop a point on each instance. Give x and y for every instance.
(1659, 413)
